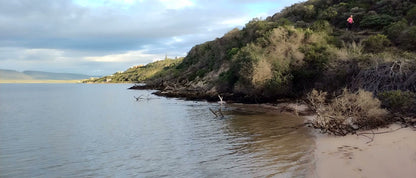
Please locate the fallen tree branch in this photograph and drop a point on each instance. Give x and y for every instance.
(138, 98)
(213, 112)
(389, 131)
(374, 133)
(219, 111)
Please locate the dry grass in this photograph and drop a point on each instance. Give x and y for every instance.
(347, 113)
(349, 51)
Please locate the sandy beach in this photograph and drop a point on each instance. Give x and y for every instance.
(391, 154)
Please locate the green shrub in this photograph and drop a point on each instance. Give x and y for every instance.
(409, 38)
(284, 22)
(228, 77)
(394, 30)
(308, 11)
(397, 101)
(316, 56)
(244, 63)
(301, 24)
(376, 43)
(346, 113)
(376, 21)
(321, 26)
(411, 15)
(329, 14)
(232, 52)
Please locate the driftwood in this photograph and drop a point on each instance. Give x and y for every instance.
(221, 101)
(138, 98)
(213, 112)
(141, 98)
(218, 113)
(365, 134)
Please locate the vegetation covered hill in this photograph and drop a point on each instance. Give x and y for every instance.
(137, 74)
(303, 47)
(306, 51)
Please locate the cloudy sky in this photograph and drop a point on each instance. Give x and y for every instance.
(100, 37)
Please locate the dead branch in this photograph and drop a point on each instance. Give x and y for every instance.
(397, 75)
(213, 112)
(389, 131)
(138, 98)
(374, 133)
(219, 111)
(142, 98)
(221, 101)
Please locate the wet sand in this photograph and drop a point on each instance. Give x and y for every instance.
(388, 155)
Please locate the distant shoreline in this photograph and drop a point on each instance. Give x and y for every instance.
(40, 81)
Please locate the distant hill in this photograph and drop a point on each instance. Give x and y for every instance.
(39, 75)
(13, 75)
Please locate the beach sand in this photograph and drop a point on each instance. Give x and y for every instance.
(388, 155)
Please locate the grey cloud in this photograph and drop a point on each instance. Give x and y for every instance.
(49, 24)
(78, 32)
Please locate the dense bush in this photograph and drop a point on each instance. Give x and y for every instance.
(346, 113)
(408, 38)
(284, 22)
(316, 58)
(263, 67)
(394, 30)
(376, 43)
(329, 13)
(376, 21)
(397, 101)
(411, 15)
(302, 11)
(322, 26)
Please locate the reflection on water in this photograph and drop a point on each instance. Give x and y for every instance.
(69, 130)
(274, 142)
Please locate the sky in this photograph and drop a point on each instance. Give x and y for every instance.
(101, 37)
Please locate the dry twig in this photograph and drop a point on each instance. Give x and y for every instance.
(374, 133)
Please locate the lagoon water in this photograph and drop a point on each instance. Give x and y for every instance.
(100, 130)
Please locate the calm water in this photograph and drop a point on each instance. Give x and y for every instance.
(80, 130)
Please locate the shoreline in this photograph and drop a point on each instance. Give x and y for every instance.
(392, 153)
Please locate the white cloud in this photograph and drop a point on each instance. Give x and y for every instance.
(236, 22)
(130, 56)
(110, 3)
(42, 54)
(174, 40)
(177, 4)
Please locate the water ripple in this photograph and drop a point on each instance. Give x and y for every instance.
(101, 131)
